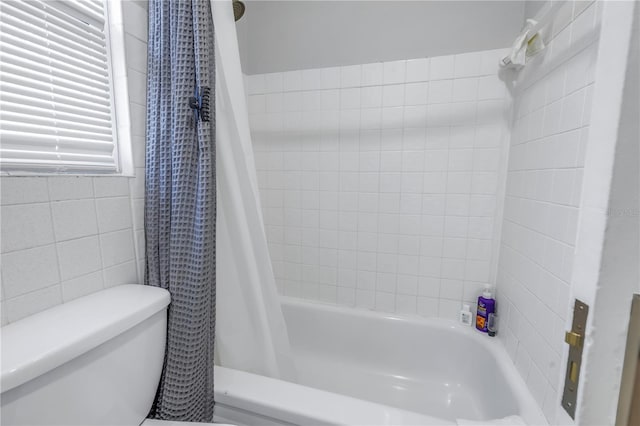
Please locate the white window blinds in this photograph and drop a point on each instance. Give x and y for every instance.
(56, 99)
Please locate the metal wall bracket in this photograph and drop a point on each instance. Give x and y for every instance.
(575, 340)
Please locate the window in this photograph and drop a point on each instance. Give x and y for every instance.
(57, 98)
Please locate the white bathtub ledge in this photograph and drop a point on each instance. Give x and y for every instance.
(299, 404)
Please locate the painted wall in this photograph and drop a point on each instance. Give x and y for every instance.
(292, 35)
(606, 262)
(532, 7)
(380, 182)
(64, 237)
(553, 99)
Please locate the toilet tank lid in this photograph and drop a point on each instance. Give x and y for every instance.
(39, 343)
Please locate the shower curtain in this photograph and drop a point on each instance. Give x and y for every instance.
(251, 334)
(180, 200)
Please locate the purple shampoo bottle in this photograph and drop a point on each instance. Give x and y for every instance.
(486, 306)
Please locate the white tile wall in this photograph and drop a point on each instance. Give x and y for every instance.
(379, 182)
(551, 124)
(64, 237)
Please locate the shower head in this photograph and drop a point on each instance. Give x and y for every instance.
(238, 9)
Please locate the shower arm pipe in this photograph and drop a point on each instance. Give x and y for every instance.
(238, 9)
(544, 20)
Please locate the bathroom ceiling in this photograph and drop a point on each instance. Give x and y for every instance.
(287, 35)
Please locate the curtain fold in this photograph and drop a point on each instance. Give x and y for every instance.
(180, 201)
(251, 332)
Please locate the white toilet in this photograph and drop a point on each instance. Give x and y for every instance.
(93, 361)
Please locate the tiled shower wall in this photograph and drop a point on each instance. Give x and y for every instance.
(544, 182)
(64, 237)
(380, 182)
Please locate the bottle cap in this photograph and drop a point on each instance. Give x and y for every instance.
(487, 293)
(466, 308)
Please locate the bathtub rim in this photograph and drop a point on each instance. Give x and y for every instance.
(294, 403)
(528, 408)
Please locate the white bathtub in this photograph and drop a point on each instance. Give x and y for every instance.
(367, 368)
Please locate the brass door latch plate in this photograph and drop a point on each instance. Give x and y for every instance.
(575, 340)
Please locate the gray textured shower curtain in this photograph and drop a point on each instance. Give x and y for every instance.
(180, 201)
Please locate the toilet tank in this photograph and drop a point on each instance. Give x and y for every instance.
(93, 361)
